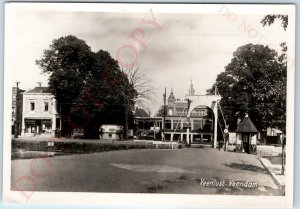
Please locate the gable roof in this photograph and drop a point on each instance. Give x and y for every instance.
(39, 90)
(246, 126)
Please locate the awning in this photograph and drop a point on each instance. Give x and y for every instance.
(30, 121)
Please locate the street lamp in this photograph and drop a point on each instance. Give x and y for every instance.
(17, 111)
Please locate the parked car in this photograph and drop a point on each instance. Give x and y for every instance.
(111, 131)
(58, 133)
(78, 133)
(150, 135)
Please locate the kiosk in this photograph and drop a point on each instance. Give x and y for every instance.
(246, 136)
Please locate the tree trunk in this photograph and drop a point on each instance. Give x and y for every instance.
(66, 129)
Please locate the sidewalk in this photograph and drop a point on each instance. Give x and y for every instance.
(275, 172)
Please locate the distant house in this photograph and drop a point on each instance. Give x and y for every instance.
(273, 136)
(270, 136)
(39, 112)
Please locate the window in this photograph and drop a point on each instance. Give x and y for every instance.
(46, 106)
(32, 106)
(181, 111)
(176, 124)
(199, 112)
(185, 125)
(198, 124)
(168, 124)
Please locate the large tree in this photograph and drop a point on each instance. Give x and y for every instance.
(142, 84)
(86, 85)
(254, 82)
(137, 91)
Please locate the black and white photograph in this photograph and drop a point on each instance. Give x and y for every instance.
(150, 104)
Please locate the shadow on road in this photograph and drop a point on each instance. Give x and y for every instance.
(246, 167)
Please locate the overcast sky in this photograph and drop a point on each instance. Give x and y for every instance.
(196, 46)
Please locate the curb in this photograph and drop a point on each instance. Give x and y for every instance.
(266, 163)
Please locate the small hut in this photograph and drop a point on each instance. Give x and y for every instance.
(246, 136)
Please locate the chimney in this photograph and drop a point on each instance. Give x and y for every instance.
(39, 84)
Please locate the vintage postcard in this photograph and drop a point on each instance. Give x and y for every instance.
(149, 104)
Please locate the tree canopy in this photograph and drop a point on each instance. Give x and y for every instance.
(162, 111)
(89, 86)
(270, 19)
(138, 93)
(254, 82)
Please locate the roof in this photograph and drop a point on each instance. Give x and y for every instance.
(39, 90)
(246, 126)
(171, 97)
(14, 90)
(148, 118)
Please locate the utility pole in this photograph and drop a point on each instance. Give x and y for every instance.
(283, 143)
(282, 157)
(17, 111)
(188, 121)
(164, 113)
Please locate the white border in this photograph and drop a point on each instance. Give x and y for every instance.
(153, 199)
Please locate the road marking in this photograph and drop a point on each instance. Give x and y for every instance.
(151, 168)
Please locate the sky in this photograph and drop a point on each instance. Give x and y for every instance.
(179, 48)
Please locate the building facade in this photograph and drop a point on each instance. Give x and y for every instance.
(200, 121)
(193, 120)
(39, 113)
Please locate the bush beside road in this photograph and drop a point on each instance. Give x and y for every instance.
(78, 146)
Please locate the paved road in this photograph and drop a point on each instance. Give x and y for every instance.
(184, 171)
